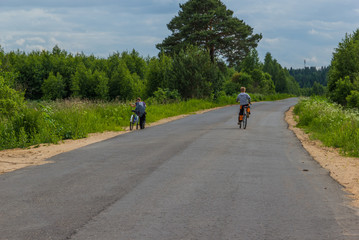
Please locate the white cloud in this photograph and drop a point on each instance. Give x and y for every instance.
(320, 34)
(20, 42)
(30, 48)
(313, 59)
(36, 39)
(271, 40)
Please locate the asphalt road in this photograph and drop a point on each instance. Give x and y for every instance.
(200, 177)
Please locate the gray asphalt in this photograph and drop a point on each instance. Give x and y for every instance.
(200, 177)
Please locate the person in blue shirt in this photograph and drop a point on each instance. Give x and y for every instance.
(244, 100)
(140, 110)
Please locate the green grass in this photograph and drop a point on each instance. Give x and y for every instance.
(54, 121)
(330, 123)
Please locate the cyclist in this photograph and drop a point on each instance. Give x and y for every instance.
(244, 99)
(140, 110)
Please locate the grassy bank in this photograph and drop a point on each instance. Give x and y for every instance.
(330, 123)
(51, 122)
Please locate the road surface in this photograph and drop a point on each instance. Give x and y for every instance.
(200, 177)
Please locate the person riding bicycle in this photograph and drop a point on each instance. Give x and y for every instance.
(244, 99)
(140, 110)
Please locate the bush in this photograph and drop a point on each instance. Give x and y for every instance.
(353, 99)
(163, 96)
(53, 87)
(11, 101)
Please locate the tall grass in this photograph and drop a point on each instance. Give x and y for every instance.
(54, 121)
(330, 123)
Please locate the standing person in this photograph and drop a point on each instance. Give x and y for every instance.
(244, 100)
(140, 110)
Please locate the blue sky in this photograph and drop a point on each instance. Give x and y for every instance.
(292, 30)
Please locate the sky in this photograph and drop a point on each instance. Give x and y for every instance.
(293, 31)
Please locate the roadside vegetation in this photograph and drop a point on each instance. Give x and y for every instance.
(330, 123)
(37, 122)
(334, 117)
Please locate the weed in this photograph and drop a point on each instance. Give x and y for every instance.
(330, 123)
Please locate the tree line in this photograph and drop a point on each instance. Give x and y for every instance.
(312, 80)
(56, 74)
(210, 52)
(306, 77)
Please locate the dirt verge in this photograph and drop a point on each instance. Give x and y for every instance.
(344, 170)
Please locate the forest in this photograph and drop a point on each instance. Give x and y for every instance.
(307, 76)
(45, 75)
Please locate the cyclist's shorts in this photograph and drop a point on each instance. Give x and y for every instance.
(241, 109)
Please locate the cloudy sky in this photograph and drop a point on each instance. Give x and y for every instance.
(293, 31)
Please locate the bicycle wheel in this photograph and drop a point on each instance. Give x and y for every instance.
(136, 125)
(244, 120)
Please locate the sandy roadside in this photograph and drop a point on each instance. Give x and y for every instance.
(345, 170)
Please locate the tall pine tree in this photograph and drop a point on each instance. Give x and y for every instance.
(210, 25)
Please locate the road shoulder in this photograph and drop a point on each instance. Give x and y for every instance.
(344, 170)
(14, 159)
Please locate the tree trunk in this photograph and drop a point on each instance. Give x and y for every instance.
(211, 53)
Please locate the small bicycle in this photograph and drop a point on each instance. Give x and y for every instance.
(134, 120)
(245, 118)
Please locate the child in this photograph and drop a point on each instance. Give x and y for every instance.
(244, 99)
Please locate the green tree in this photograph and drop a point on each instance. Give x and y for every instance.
(291, 84)
(210, 25)
(241, 79)
(11, 101)
(159, 73)
(121, 85)
(138, 86)
(268, 64)
(195, 76)
(31, 74)
(318, 89)
(344, 71)
(257, 77)
(53, 87)
(88, 84)
(101, 85)
(272, 67)
(267, 85)
(135, 63)
(283, 81)
(250, 62)
(81, 75)
(353, 99)
(343, 88)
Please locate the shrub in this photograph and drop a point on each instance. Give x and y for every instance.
(353, 99)
(53, 87)
(11, 101)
